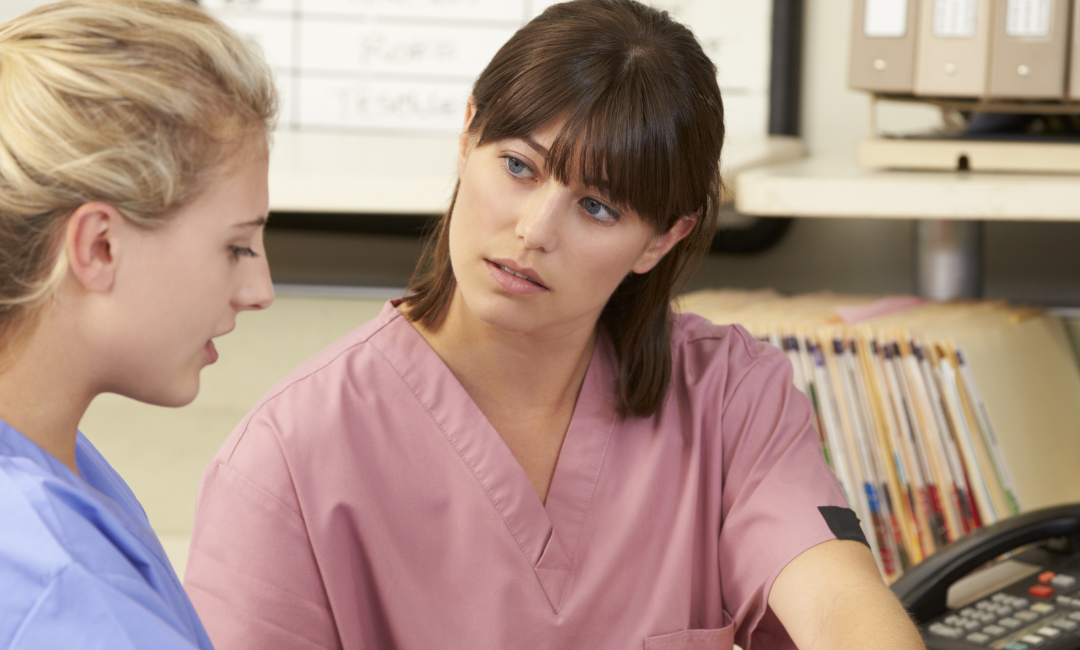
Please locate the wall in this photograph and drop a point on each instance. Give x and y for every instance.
(1026, 262)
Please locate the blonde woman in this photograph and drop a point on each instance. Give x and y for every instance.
(133, 156)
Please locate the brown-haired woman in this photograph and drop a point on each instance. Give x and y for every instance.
(531, 450)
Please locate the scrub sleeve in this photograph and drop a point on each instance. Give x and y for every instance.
(265, 587)
(775, 481)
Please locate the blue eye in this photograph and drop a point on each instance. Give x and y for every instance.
(517, 168)
(598, 210)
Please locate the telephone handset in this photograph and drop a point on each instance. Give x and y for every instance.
(1038, 611)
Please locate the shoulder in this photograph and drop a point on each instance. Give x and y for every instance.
(337, 373)
(722, 357)
(303, 419)
(73, 549)
(31, 559)
(349, 354)
(97, 471)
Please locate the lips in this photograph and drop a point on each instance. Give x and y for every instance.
(211, 351)
(524, 273)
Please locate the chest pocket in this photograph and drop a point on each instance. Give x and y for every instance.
(722, 638)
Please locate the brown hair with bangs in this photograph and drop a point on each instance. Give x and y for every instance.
(643, 122)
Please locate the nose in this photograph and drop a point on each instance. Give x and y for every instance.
(256, 289)
(538, 224)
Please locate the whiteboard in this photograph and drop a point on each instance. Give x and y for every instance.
(387, 66)
(407, 66)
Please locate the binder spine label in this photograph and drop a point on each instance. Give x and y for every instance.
(885, 19)
(1029, 18)
(955, 18)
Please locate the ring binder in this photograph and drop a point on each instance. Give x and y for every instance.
(883, 46)
(1028, 50)
(952, 56)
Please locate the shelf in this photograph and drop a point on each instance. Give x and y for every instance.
(1068, 106)
(414, 174)
(835, 186)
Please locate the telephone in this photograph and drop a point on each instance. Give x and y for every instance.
(1032, 605)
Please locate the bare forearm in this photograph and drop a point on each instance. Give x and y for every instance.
(832, 598)
(866, 619)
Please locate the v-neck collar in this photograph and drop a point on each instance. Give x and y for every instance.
(546, 534)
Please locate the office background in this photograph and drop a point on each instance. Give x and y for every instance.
(331, 282)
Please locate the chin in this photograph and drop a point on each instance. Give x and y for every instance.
(504, 315)
(180, 400)
(174, 396)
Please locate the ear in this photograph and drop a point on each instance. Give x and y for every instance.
(93, 245)
(664, 243)
(465, 140)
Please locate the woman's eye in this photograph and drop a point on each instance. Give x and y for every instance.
(598, 210)
(517, 168)
(240, 251)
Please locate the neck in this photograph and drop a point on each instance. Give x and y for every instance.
(43, 393)
(533, 372)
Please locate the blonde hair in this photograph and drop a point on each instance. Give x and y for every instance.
(129, 102)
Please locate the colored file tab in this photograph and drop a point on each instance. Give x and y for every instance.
(916, 404)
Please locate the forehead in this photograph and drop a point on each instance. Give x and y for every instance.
(235, 194)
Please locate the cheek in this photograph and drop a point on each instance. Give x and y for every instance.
(470, 223)
(189, 288)
(605, 263)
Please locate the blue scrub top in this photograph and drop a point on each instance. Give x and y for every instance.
(80, 566)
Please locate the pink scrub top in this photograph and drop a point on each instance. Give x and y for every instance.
(366, 502)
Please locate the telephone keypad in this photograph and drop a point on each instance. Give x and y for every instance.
(947, 631)
(1063, 581)
(1011, 621)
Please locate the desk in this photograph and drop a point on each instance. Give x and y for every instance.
(415, 174)
(950, 208)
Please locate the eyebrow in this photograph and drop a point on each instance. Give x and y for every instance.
(536, 146)
(254, 223)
